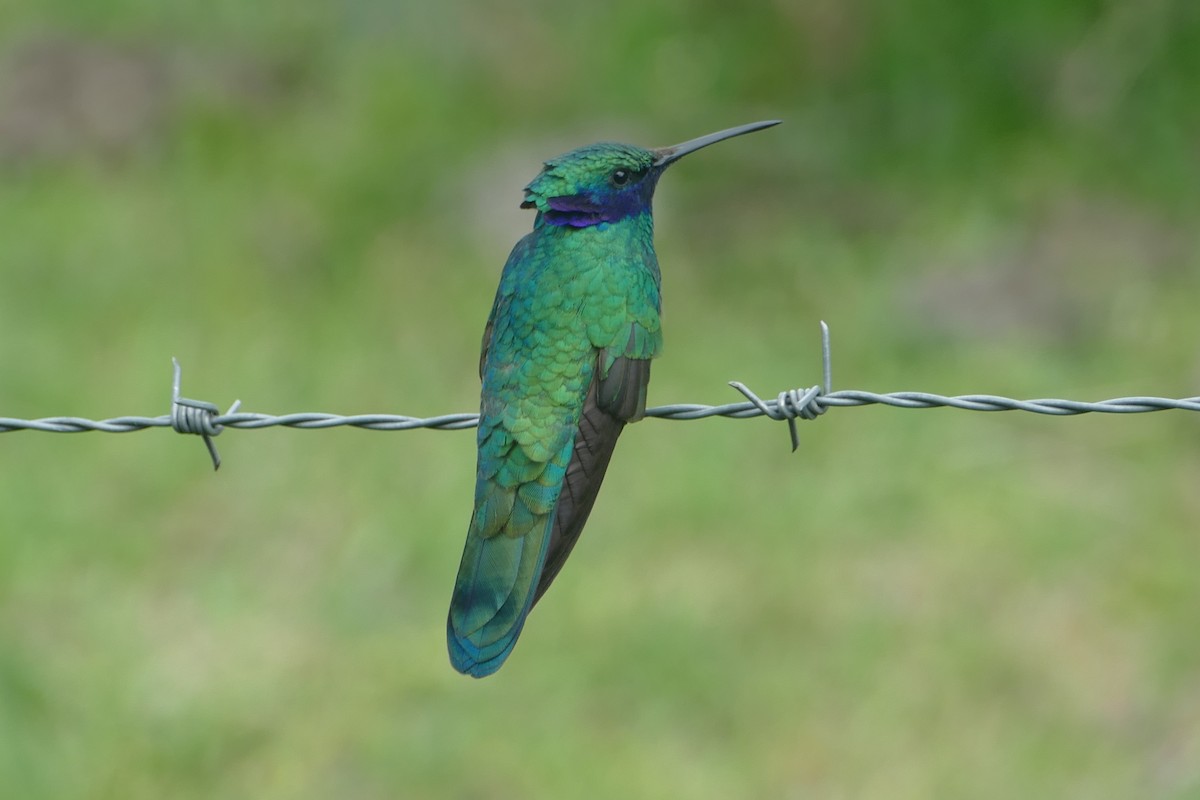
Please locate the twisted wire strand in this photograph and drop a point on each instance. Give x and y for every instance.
(204, 419)
(676, 411)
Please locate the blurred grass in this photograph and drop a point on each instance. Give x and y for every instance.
(309, 204)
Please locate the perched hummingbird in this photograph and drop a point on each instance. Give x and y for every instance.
(565, 364)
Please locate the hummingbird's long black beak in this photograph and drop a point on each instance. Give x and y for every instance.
(666, 155)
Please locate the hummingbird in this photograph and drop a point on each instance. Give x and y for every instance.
(565, 364)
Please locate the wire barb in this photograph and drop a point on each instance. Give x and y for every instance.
(792, 403)
(197, 416)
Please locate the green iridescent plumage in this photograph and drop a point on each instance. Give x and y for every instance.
(565, 365)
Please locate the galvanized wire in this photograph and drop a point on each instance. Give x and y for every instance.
(205, 419)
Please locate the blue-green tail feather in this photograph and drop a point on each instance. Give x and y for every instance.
(492, 598)
(502, 563)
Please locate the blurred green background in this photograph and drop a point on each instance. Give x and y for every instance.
(309, 204)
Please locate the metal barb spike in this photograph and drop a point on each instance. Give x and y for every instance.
(826, 360)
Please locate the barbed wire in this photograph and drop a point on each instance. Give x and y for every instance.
(204, 419)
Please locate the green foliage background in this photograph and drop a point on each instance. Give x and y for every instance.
(309, 204)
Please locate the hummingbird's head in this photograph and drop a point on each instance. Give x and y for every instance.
(608, 182)
(602, 182)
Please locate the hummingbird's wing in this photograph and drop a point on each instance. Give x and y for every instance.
(529, 514)
(616, 396)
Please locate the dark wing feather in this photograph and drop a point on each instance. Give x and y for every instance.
(622, 392)
(618, 397)
(487, 341)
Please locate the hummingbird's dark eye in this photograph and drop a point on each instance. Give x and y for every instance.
(620, 177)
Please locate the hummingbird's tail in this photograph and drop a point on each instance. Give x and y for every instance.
(506, 547)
